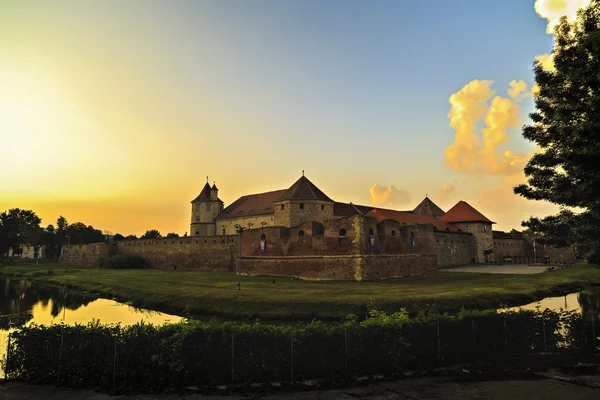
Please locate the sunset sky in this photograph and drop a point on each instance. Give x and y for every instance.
(113, 113)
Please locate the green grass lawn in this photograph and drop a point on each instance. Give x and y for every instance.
(215, 293)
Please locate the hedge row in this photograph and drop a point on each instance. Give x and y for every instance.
(148, 358)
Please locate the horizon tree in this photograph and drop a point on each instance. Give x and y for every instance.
(151, 234)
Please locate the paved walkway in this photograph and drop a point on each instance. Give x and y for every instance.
(426, 388)
(520, 269)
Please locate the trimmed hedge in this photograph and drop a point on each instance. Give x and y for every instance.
(148, 358)
(125, 261)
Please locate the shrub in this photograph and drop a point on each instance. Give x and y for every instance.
(125, 261)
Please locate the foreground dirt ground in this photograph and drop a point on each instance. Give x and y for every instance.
(426, 388)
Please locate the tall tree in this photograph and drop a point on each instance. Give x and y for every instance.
(566, 125)
(80, 233)
(172, 235)
(151, 234)
(17, 227)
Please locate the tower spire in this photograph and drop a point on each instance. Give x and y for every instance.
(207, 179)
(302, 172)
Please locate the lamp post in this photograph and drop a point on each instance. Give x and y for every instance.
(239, 230)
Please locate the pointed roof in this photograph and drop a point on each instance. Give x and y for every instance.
(428, 207)
(303, 189)
(252, 204)
(464, 212)
(214, 186)
(204, 195)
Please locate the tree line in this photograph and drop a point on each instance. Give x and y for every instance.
(19, 227)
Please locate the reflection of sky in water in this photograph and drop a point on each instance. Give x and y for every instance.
(103, 310)
(569, 302)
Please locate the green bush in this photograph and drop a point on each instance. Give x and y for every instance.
(125, 261)
(149, 358)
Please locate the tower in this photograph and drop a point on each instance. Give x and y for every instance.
(205, 208)
(302, 202)
(468, 219)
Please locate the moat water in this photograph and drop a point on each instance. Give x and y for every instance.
(23, 303)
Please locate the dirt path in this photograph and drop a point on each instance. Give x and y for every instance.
(427, 388)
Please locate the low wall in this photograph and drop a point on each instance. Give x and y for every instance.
(385, 266)
(84, 254)
(305, 267)
(344, 267)
(213, 253)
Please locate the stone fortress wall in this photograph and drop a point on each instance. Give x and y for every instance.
(302, 232)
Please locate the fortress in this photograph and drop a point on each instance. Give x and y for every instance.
(301, 232)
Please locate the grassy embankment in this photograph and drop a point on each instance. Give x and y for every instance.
(215, 293)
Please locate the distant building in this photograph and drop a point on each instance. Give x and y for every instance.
(305, 202)
(302, 232)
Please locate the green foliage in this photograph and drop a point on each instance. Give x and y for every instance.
(18, 227)
(80, 233)
(117, 237)
(172, 235)
(145, 357)
(565, 127)
(151, 234)
(125, 261)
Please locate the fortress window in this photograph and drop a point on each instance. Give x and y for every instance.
(393, 233)
(263, 237)
(197, 234)
(197, 207)
(283, 206)
(371, 231)
(302, 206)
(197, 220)
(223, 231)
(342, 232)
(322, 207)
(301, 233)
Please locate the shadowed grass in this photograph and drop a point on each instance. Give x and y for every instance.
(215, 293)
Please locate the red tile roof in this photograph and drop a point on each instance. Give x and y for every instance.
(252, 204)
(464, 212)
(407, 217)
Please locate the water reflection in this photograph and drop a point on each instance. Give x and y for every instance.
(585, 302)
(23, 303)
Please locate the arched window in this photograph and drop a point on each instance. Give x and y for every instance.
(301, 233)
(263, 237)
(393, 233)
(371, 231)
(223, 231)
(342, 232)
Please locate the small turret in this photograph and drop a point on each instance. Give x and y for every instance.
(214, 192)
